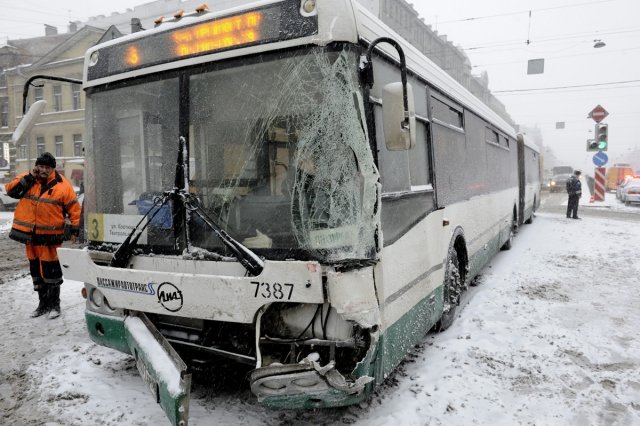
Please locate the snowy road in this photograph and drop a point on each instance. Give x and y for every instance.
(548, 337)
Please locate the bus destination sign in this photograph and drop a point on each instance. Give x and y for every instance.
(219, 34)
(208, 37)
(272, 23)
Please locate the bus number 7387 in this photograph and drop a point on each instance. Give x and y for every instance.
(273, 290)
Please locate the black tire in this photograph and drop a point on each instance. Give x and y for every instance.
(452, 291)
(2, 207)
(529, 220)
(533, 212)
(512, 232)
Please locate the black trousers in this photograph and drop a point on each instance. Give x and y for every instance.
(572, 206)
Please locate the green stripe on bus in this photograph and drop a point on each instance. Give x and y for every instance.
(107, 331)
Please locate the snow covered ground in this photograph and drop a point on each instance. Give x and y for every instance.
(549, 336)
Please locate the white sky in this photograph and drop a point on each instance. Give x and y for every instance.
(561, 31)
(26, 18)
(548, 337)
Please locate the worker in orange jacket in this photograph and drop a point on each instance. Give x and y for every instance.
(46, 198)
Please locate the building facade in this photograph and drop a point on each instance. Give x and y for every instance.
(13, 54)
(60, 130)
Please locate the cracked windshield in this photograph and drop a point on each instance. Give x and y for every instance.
(278, 156)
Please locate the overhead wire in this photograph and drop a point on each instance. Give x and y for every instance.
(525, 46)
(53, 16)
(498, 15)
(551, 39)
(40, 11)
(564, 87)
(557, 57)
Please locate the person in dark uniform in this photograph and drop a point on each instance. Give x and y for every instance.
(574, 189)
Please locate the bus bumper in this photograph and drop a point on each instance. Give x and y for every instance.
(307, 385)
(160, 367)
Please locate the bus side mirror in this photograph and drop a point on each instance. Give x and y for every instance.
(399, 130)
(29, 120)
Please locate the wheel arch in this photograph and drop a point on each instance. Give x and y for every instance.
(459, 243)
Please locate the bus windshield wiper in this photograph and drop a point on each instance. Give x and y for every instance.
(122, 255)
(245, 256)
(189, 202)
(252, 263)
(183, 201)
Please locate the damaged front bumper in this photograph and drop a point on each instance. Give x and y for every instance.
(252, 319)
(306, 385)
(160, 367)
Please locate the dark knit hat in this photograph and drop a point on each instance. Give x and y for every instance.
(46, 159)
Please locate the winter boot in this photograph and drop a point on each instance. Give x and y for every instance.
(54, 301)
(43, 305)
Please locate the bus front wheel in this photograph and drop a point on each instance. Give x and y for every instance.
(452, 291)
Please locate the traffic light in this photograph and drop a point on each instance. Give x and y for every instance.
(592, 145)
(602, 136)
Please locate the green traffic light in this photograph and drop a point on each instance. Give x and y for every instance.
(602, 136)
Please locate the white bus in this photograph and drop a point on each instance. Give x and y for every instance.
(263, 185)
(529, 178)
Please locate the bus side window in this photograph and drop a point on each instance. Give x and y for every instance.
(393, 165)
(401, 171)
(419, 158)
(455, 156)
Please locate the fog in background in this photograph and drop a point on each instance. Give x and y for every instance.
(500, 37)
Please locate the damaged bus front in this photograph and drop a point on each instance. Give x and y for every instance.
(232, 210)
(241, 166)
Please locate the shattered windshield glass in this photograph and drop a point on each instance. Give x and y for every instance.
(278, 156)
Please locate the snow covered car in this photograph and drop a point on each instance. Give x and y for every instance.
(558, 183)
(620, 187)
(6, 203)
(631, 192)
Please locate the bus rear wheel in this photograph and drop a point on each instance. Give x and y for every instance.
(533, 212)
(452, 291)
(512, 233)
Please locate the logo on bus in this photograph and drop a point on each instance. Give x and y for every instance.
(170, 297)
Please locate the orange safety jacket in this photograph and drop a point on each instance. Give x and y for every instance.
(39, 218)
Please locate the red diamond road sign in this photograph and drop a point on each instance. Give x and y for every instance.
(598, 113)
